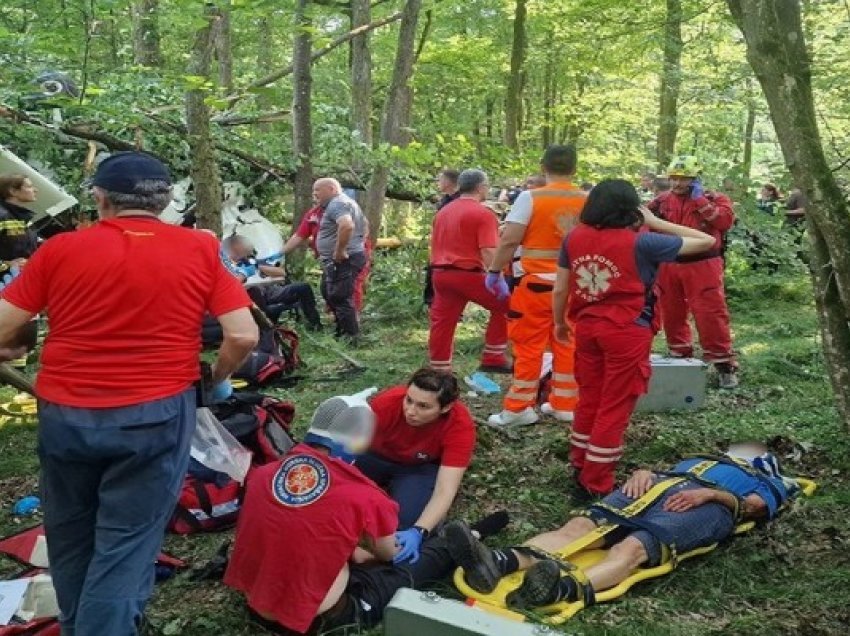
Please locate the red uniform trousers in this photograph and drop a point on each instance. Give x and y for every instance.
(695, 288)
(531, 329)
(453, 290)
(360, 282)
(613, 370)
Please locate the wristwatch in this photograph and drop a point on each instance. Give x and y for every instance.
(422, 531)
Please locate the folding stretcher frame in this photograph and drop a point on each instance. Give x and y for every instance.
(578, 555)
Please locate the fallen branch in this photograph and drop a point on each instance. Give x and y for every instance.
(80, 131)
(353, 362)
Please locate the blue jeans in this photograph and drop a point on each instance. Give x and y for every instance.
(695, 528)
(109, 480)
(411, 486)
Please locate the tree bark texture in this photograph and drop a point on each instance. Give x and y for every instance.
(204, 167)
(396, 115)
(671, 82)
(224, 48)
(513, 97)
(776, 49)
(302, 125)
(146, 45)
(361, 73)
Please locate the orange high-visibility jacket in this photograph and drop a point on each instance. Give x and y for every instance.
(555, 211)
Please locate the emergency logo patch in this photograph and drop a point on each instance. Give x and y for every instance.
(301, 481)
(593, 276)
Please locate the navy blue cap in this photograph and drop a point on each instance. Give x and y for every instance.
(123, 171)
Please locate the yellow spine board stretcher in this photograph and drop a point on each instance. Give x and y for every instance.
(579, 555)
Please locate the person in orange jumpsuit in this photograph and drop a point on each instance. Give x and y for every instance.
(694, 284)
(538, 222)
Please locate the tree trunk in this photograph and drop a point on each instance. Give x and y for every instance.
(776, 49)
(671, 81)
(396, 117)
(548, 98)
(146, 50)
(749, 128)
(302, 125)
(361, 74)
(513, 98)
(224, 48)
(204, 168)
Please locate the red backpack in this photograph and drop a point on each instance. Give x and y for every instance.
(21, 547)
(210, 501)
(274, 360)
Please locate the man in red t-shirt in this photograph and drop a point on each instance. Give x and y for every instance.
(423, 445)
(296, 555)
(306, 233)
(125, 300)
(464, 238)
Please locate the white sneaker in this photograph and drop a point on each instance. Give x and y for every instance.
(561, 416)
(509, 418)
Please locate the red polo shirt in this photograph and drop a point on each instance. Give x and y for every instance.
(308, 229)
(124, 300)
(461, 230)
(301, 520)
(449, 441)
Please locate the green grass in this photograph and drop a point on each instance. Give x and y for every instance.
(791, 577)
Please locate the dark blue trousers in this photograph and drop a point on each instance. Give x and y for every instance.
(411, 486)
(109, 481)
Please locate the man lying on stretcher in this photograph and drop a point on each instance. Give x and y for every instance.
(697, 511)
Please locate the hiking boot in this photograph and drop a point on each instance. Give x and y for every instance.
(507, 419)
(562, 416)
(539, 587)
(727, 376)
(476, 559)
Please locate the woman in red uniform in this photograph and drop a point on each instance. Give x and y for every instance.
(606, 275)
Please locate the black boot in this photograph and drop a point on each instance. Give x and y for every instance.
(540, 587)
(476, 559)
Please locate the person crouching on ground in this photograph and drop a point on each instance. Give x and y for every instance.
(297, 555)
(604, 287)
(423, 444)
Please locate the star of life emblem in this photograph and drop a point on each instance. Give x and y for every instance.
(593, 278)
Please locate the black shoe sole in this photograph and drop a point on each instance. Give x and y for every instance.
(477, 561)
(492, 369)
(539, 587)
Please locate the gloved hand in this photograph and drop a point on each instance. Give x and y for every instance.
(222, 391)
(497, 285)
(697, 189)
(9, 275)
(409, 541)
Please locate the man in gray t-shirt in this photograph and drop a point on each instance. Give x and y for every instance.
(342, 252)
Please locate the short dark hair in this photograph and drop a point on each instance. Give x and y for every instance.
(470, 180)
(444, 384)
(560, 160)
(613, 203)
(11, 182)
(451, 174)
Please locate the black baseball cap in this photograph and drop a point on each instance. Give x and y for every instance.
(123, 171)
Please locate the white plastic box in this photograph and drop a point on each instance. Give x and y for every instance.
(677, 384)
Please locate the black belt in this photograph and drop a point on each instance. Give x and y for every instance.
(455, 268)
(695, 258)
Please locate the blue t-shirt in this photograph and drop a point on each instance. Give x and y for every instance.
(651, 249)
(739, 482)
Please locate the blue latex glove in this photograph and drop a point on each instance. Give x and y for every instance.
(697, 189)
(9, 275)
(222, 391)
(497, 285)
(409, 541)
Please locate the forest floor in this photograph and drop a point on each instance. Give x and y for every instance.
(789, 577)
